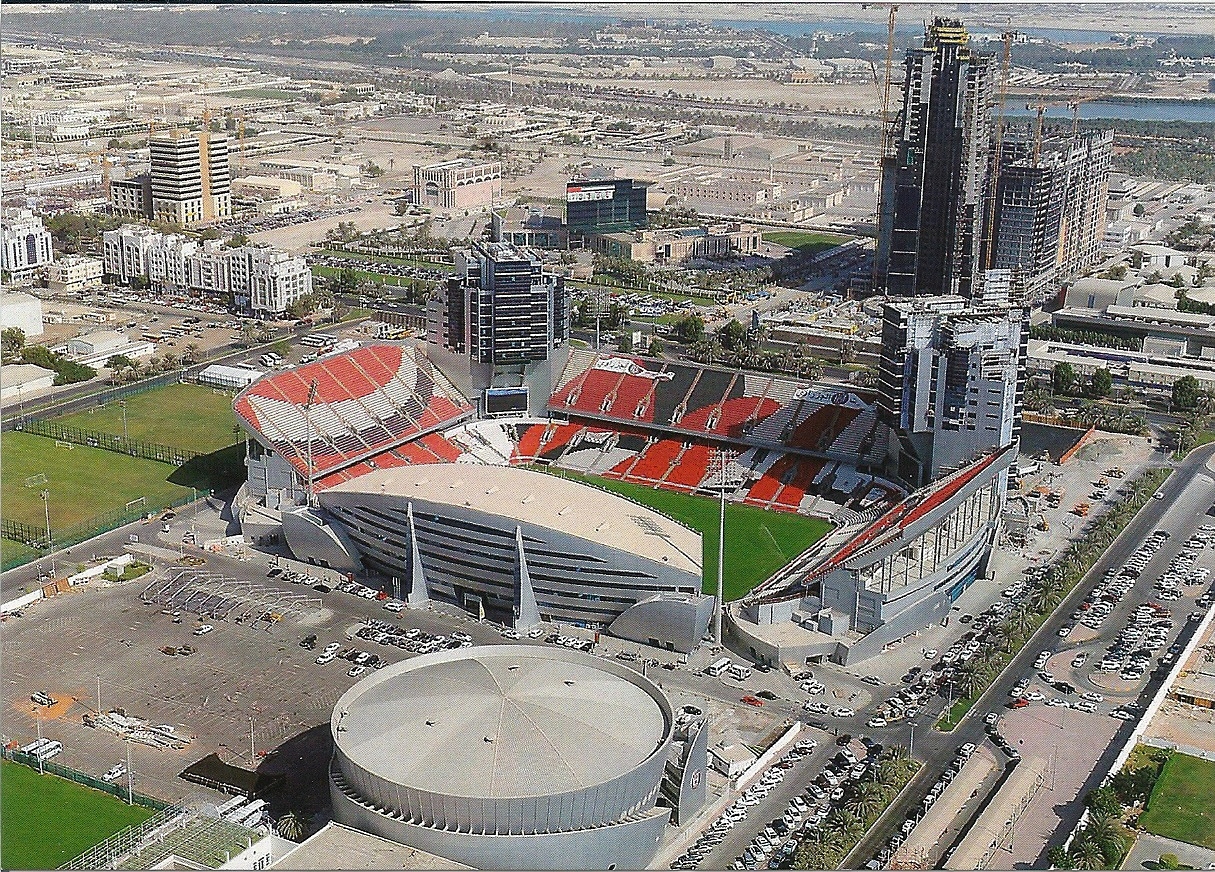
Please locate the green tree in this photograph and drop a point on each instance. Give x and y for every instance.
(290, 827)
(732, 335)
(1102, 382)
(1059, 858)
(1185, 393)
(1169, 861)
(690, 329)
(1086, 854)
(237, 240)
(1107, 833)
(119, 362)
(12, 340)
(624, 342)
(1104, 800)
(282, 348)
(1063, 378)
(656, 346)
(1138, 210)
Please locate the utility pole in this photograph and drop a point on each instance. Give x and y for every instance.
(252, 750)
(123, 403)
(50, 543)
(99, 709)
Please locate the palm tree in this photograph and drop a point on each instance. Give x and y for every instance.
(866, 799)
(1107, 833)
(1086, 854)
(290, 827)
(842, 823)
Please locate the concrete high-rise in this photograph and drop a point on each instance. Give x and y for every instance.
(190, 181)
(1049, 215)
(951, 383)
(505, 318)
(934, 180)
(25, 244)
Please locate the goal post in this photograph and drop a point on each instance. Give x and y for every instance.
(36, 480)
(59, 443)
(137, 501)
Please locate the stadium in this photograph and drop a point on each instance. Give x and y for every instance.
(506, 757)
(339, 449)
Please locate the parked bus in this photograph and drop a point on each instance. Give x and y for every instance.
(719, 667)
(739, 672)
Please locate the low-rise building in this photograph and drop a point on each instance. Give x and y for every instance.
(529, 227)
(459, 184)
(21, 310)
(94, 349)
(73, 274)
(680, 244)
(21, 380)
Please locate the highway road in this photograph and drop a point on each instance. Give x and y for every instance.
(937, 749)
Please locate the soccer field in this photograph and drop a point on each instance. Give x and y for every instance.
(193, 417)
(46, 820)
(83, 482)
(758, 542)
(805, 241)
(1180, 806)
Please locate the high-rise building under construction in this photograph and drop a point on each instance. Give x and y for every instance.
(934, 180)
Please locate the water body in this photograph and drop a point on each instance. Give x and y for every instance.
(1157, 110)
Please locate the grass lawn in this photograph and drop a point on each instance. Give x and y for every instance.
(48, 820)
(805, 241)
(758, 542)
(83, 483)
(193, 417)
(15, 553)
(1180, 806)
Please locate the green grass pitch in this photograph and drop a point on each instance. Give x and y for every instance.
(758, 542)
(83, 482)
(804, 241)
(1180, 806)
(193, 417)
(46, 820)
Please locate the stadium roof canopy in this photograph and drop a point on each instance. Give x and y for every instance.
(502, 721)
(521, 495)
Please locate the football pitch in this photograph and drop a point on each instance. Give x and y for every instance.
(82, 482)
(193, 417)
(1180, 806)
(46, 820)
(758, 542)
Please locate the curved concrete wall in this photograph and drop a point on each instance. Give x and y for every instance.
(628, 844)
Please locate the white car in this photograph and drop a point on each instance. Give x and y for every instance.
(394, 606)
(1159, 495)
(326, 658)
(966, 750)
(203, 630)
(1122, 715)
(1056, 701)
(331, 648)
(356, 671)
(875, 723)
(842, 712)
(116, 771)
(535, 632)
(930, 653)
(1092, 696)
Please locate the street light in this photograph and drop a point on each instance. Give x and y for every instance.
(50, 543)
(38, 747)
(911, 746)
(123, 403)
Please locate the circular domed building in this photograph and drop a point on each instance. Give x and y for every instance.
(506, 756)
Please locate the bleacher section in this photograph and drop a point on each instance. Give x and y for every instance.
(342, 412)
(687, 399)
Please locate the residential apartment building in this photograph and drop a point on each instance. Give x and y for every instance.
(950, 384)
(26, 244)
(257, 279)
(458, 184)
(934, 182)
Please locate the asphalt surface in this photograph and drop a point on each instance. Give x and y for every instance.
(935, 749)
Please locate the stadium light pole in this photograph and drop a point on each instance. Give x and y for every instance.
(50, 543)
(38, 721)
(252, 750)
(123, 403)
(99, 696)
(130, 776)
(721, 548)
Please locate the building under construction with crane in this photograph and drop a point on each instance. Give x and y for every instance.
(188, 182)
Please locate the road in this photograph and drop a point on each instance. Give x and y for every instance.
(936, 749)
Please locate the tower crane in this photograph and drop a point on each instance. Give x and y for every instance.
(886, 131)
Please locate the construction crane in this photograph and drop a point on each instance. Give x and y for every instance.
(1007, 36)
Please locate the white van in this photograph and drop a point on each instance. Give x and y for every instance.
(739, 672)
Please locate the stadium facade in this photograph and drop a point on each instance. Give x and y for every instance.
(516, 546)
(507, 757)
